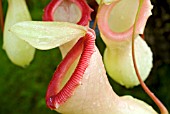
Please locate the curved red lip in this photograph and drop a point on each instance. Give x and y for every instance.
(85, 9)
(103, 16)
(85, 47)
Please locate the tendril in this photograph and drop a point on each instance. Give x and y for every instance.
(95, 21)
(161, 107)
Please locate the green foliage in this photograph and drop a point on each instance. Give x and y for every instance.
(23, 89)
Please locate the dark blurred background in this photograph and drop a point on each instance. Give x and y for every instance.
(22, 91)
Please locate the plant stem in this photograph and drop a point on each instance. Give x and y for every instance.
(1, 17)
(161, 107)
(95, 21)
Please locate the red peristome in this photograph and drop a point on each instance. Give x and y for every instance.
(85, 10)
(85, 47)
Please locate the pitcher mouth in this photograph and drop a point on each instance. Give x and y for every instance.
(125, 32)
(79, 6)
(84, 48)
